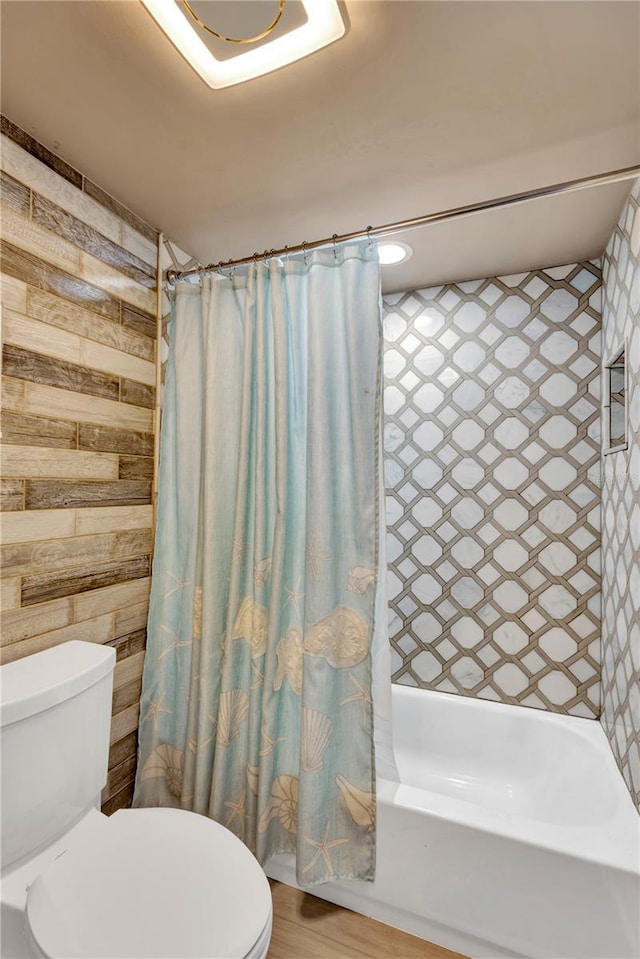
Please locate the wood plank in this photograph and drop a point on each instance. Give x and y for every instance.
(55, 556)
(121, 211)
(121, 800)
(125, 722)
(13, 293)
(130, 645)
(105, 358)
(36, 368)
(115, 283)
(87, 238)
(33, 462)
(15, 194)
(28, 526)
(127, 695)
(30, 171)
(96, 602)
(55, 311)
(69, 405)
(145, 249)
(131, 619)
(123, 749)
(9, 593)
(43, 276)
(128, 670)
(136, 467)
(139, 320)
(19, 624)
(109, 519)
(90, 631)
(110, 440)
(286, 941)
(11, 494)
(39, 337)
(22, 232)
(13, 394)
(72, 494)
(305, 925)
(19, 330)
(40, 152)
(138, 394)
(119, 776)
(19, 430)
(40, 587)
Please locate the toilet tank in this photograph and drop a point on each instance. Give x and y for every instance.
(55, 719)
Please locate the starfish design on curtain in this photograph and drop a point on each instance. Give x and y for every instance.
(239, 548)
(238, 811)
(194, 745)
(258, 676)
(294, 595)
(155, 709)
(178, 584)
(176, 644)
(323, 846)
(316, 555)
(268, 745)
(362, 695)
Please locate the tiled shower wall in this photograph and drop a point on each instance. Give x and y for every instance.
(621, 506)
(492, 440)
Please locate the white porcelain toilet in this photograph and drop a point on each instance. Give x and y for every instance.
(153, 883)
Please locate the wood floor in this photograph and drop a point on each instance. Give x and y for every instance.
(305, 927)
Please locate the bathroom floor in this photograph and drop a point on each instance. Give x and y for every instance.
(310, 928)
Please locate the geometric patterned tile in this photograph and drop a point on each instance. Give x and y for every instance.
(621, 507)
(492, 446)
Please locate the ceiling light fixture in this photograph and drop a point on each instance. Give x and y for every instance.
(220, 36)
(391, 253)
(324, 25)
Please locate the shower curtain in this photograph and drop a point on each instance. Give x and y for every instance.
(257, 705)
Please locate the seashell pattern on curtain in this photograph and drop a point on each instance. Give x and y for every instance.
(257, 706)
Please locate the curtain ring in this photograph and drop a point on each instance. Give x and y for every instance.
(369, 229)
(304, 252)
(335, 248)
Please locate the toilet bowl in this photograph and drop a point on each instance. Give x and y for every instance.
(140, 884)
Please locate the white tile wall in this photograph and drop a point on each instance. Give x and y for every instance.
(492, 446)
(621, 507)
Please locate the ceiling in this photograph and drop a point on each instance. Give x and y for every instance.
(422, 106)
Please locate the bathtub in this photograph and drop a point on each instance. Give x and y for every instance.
(510, 833)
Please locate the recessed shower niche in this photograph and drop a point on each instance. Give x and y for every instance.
(615, 403)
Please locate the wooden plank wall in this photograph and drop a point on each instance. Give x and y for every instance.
(79, 274)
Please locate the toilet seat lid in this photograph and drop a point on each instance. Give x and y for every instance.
(154, 883)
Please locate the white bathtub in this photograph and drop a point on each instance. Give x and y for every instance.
(510, 833)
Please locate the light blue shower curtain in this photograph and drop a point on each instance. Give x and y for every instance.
(257, 703)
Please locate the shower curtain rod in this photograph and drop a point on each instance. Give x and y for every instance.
(388, 229)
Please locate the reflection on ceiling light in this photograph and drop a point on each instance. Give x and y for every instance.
(395, 252)
(324, 25)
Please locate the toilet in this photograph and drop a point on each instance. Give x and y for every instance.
(75, 884)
